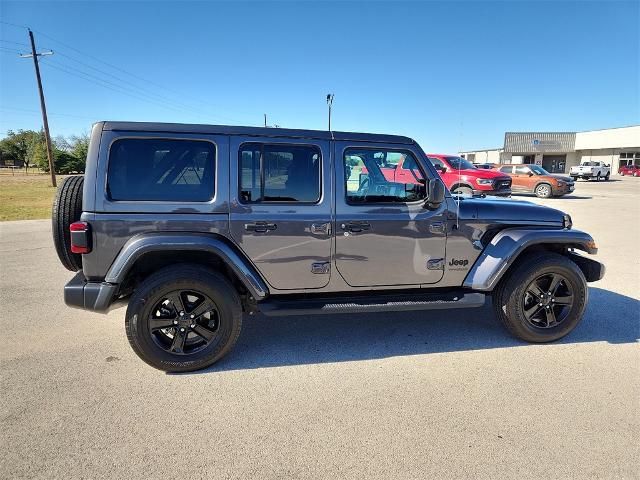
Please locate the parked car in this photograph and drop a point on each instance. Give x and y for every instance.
(590, 169)
(462, 177)
(633, 170)
(535, 179)
(193, 226)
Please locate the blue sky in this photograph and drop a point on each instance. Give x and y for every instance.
(453, 75)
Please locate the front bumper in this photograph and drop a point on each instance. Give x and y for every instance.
(503, 192)
(97, 296)
(568, 188)
(592, 269)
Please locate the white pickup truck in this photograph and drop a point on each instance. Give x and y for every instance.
(589, 169)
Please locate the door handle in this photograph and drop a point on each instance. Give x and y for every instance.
(260, 227)
(355, 227)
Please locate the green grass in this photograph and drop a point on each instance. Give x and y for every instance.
(26, 197)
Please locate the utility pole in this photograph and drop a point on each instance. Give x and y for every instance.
(42, 105)
(330, 103)
(265, 120)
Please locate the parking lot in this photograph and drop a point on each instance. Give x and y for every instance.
(408, 395)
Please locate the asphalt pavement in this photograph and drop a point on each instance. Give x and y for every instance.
(407, 395)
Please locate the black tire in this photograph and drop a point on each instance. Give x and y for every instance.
(598, 177)
(606, 177)
(67, 208)
(543, 190)
(191, 278)
(462, 190)
(622, 174)
(509, 298)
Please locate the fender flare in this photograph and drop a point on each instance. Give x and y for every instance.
(140, 245)
(461, 184)
(505, 247)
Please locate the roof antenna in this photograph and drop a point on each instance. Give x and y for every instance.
(330, 103)
(459, 182)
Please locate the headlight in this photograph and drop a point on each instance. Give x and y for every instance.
(561, 183)
(484, 181)
(566, 221)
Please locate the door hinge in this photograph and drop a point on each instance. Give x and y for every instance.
(320, 267)
(321, 228)
(438, 227)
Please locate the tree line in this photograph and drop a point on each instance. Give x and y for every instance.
(28, 149)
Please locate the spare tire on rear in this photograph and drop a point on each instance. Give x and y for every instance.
(67, 208)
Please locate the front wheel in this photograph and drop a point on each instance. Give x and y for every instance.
(543, 190)
(598, 178)
(606, 177)
(183, 318)
(462, 190)
(542, 299)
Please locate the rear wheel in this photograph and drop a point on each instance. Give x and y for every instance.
(183, 318)
(598, 177)
(542, 299)
(543, 190)
(606, 177)
(67, 208)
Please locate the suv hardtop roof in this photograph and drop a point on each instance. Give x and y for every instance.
(254, 131)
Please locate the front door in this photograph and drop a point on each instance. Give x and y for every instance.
(281, 209)
(384, 234)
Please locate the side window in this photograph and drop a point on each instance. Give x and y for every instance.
(522, 170)
(279, 173)
(508, 169)
(368, 180)
(156, 169)
(436, 162)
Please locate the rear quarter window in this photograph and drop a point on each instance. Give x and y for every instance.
(157, 169)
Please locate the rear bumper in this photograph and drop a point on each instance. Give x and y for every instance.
(96, 296)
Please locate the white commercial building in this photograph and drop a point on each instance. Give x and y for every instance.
(559, 151)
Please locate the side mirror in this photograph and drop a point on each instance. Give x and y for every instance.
(436, 193)
(442, 169)
(530, 174)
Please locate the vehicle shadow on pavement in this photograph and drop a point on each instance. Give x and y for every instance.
(524, 196)
(280, 341)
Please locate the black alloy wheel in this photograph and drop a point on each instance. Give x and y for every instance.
(547, 301)
(184, 323)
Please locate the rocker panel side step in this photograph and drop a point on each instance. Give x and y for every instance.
(379, 303)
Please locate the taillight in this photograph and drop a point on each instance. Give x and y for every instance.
(80, 237)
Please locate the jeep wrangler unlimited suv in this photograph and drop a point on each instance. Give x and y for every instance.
(195, 225)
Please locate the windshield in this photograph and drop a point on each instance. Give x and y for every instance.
(538, 170)
(459, 163)
(589, 164)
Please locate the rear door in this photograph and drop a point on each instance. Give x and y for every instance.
(384, 234)
(280, 212)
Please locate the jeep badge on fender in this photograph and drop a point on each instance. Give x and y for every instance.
(195, 226)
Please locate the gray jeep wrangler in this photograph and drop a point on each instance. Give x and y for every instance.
(195, 225)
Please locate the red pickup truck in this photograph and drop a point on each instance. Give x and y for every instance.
(458, 174)
(462, 177)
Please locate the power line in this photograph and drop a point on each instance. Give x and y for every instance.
(35, 112)
(145, 80)
(102, 83)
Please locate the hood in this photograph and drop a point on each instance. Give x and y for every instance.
(478, 173)
(509, 211)
(564, 178)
